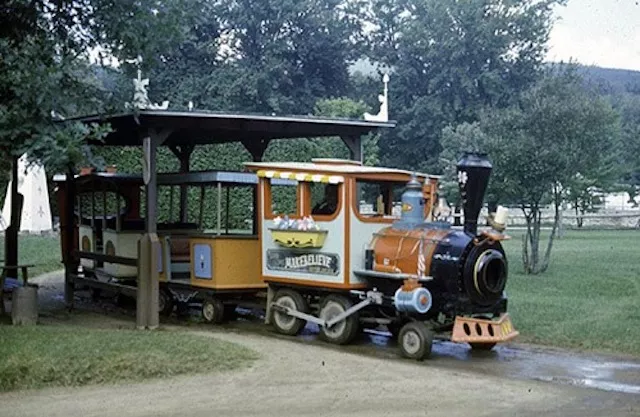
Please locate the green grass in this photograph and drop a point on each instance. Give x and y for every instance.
(43, 251)
(589, 298)
(42, 356)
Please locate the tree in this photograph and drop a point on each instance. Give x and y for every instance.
(45, 49)
(584, 194)
(306, 149)
(450, 59)
(629, 108)
(268, 56)
(557, 131)
(456, 140)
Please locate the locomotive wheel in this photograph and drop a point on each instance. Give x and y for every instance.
(345, 330)
(283, 322)
(165, 302)
(415, 340)
(212, 310)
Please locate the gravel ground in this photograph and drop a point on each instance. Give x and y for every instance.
(298, 379)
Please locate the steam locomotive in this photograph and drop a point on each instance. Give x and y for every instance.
(427, 279)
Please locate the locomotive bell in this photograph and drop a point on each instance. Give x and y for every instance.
(474, 169)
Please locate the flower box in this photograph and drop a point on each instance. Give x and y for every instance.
(299, 238)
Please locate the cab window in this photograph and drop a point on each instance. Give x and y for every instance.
(378, 198)
(282, 199)
(324, 198)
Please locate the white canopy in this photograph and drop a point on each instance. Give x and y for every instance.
(36, 211)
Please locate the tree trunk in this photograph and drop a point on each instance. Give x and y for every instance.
(561, 205)
(11, 233)
(556, 221)
(531, 248)
(578, 217)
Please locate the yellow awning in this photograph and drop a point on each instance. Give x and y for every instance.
(301, 176)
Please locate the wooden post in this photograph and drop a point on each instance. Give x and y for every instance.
(148, 275)
(148, 248)
(71, 263)
(354, 143)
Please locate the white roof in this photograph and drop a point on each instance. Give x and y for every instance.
(332, 166)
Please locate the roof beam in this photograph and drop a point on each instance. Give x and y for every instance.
(354, 143)
(256, 147)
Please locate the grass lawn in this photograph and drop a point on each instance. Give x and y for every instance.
(43, 251)
(41, 356)
(589, 298)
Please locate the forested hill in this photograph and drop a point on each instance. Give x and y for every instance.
(616, 80)
(611, 79)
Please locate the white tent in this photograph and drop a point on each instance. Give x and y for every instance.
(36, 211)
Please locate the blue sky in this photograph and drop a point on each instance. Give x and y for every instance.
(605, 33)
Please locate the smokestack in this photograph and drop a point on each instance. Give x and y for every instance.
(474, 170)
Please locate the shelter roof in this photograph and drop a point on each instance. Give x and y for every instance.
(172, 178)
(206, 127)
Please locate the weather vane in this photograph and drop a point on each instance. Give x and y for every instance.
(140, 94)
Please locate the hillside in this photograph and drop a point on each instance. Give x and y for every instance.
(613, 80)
(608, 79)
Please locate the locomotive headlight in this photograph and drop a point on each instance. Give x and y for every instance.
(489, 273)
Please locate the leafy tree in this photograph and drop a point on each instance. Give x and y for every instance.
(584, 194)
(449, 60)
(557, 131)
(263, 56)
(306, 149)
(46, 49)
(629, 108)
(45, 53)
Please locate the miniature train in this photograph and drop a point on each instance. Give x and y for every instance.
(338, 263)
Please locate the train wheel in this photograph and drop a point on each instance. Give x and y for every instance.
(212, 310)
(345, 330)
(415, 340)
(283, 322)
(165, 302)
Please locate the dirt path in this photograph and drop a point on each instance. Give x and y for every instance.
(297, 380)
(306, 379)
